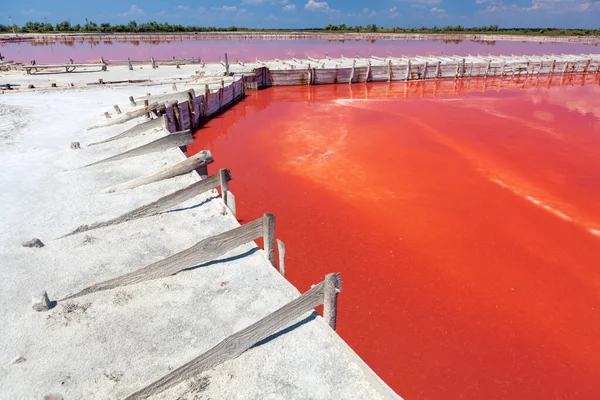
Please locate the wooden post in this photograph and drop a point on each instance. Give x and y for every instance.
(389, 71)
(224, 177)
(117, 109)
(438, 69)
(464, 67)
(487, 70)
(221, 94)
(425, 70)
(281, 249)
(368, 71)
(129, 63)
(226, 65)
(310, 75)
(132, 101)
(231, 203)
(146, 104)
(174, 87)
(243, 86)
(333, 285)
(352, 72)
(269, 236)
(408, 70)
(106, 114)
(177, 117)
(153, 63)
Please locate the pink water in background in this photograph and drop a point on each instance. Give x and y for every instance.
(249, 50)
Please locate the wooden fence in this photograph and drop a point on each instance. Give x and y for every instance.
(420, 68)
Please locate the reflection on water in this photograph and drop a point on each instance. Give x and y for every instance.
(464, 216)
(249, 50)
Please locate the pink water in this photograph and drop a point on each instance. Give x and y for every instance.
(465, 222)
(249, 50)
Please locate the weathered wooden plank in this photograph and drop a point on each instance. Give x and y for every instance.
(156, 207)
(190, 164)
(236, 344)
(170, 116)
(175, 96)
(197, 105)
(200, 253)
(184, 116)
(170, 141)
(127, 117)
(212, 103)
(139, 129)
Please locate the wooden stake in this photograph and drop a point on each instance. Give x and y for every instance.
(231, 203)
(226, 65)
(438, 69)
(281, 249)
(146, 104)
(408, 70)
(352, 72)
(225, 178)
(129, 63)
(106, 114)
(389, 71)
(174, 87)
(153, 63)
(132, 101)
(333, 285)
(117, 109)
(269, 237)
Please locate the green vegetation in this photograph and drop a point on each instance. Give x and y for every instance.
(147, 27)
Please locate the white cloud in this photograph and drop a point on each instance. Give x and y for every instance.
(271, 18)
(313, 5)
(373, 13)
(253, 2)
(438, 10)
(430, 2)
(289, 8)
(548, 6)
(183, 8)
(226, 8)
(133, 10)
(394, 12)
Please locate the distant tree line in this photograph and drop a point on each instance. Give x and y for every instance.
(462, 29)
(133, 26)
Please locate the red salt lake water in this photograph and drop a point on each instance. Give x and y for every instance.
(249, 50)
(465, 221)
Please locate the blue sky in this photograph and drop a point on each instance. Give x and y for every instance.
(308, 13)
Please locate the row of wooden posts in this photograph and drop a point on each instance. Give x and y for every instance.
(206, 250)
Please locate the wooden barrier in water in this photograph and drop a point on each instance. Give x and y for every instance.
(420, 68)
(241, 341)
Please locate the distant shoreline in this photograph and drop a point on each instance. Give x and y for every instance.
(92, 37)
